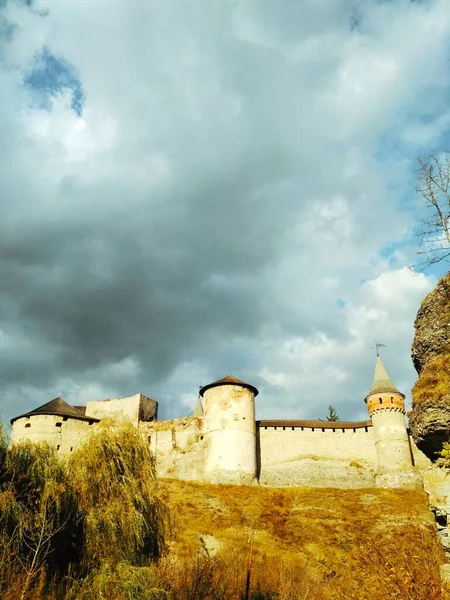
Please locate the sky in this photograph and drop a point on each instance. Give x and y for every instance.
(195, 189)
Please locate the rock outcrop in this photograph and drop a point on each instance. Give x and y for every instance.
(430, 415)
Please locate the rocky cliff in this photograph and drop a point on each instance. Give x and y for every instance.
(430, 415)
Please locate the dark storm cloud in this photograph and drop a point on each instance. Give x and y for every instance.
(192, 197)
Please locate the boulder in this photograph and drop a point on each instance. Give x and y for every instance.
(430, 415)
(432, 325)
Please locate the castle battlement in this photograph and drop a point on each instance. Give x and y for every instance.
(224, 443)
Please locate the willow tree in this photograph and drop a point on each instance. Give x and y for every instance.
(39, 520)
(114, 478)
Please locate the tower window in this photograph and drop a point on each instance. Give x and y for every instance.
(58, 424)
(58, 447)
(392, 400)
(381, 400)
(27, 424)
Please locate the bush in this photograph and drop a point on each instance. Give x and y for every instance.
(39, 521)
(121, 582)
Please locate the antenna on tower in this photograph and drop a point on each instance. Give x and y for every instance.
(378, 346)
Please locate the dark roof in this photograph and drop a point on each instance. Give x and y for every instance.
(228, 380)
(80, 409)
(317, 424)
(381, 381)
(58, 407)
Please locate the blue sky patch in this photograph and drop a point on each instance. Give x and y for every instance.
(51, 76)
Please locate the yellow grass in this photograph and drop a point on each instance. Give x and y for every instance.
(312, 543)
(434, 381)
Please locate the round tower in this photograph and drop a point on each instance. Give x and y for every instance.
(386, 408)
(230, 431)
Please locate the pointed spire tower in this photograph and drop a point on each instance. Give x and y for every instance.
(383, 393)
(386, 406)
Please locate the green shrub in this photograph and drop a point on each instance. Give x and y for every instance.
(121, 582)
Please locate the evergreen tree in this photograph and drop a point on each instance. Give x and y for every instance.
(332, 414)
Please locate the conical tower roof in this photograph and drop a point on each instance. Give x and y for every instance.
(229, 380)
(381, 381)
(59, 407)
(198, 409)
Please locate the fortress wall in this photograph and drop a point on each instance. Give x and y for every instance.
(319, 458)
(179, 447)
(64, 434)
(117, 408)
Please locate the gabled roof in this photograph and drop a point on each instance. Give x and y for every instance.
(229, 380)
(381, 381)
(58, 407)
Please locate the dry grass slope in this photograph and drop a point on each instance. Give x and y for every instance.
(434, 381)
(308, 543)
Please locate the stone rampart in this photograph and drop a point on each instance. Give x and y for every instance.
(132, 408)
(179, 447)
(321, 456)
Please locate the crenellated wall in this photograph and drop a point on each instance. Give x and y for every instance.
(319, 456)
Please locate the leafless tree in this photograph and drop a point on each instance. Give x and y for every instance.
(434, 187)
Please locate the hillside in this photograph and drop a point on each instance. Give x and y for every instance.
(307, 543)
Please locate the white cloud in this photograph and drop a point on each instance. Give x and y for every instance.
(233, 179)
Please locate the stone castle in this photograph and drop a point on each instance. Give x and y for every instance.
(223, 443)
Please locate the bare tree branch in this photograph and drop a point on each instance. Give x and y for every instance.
(434, 188)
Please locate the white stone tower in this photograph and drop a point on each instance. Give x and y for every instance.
(230, 431)
(387, 409)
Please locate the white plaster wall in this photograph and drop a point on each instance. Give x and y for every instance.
(117, 408)
(391, 440)
(296, 457)
(230, 432)
(63, 434)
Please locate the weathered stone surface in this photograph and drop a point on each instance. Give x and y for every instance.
(430, 415)
(432, 325)
(430, 425)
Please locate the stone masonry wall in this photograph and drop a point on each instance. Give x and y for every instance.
(117, 408)
(318, 458)
(179, 447)
(60, 432)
